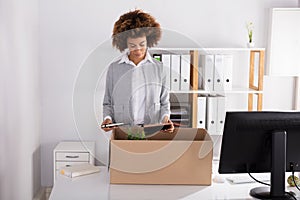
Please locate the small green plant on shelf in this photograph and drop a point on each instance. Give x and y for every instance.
(250, 27)
(137, 134)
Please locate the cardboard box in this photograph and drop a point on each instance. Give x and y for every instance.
(181, 157)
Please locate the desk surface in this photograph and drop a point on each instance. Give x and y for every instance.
(96, 186)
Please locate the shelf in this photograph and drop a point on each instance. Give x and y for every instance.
(255, 65)
(204, 50)
(232, 49)
(233, 91)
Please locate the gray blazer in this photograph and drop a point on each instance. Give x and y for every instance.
(117, 98)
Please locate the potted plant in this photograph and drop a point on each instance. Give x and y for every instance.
(136, 134)
(250, 34)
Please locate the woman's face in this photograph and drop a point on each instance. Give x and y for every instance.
(137, 48)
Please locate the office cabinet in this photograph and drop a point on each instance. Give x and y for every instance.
(240, 71)
(237, 75)
(72, 153)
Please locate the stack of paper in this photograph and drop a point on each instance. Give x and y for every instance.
(79, 170)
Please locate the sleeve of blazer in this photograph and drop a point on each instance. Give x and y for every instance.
(107, 101)
(164, 96)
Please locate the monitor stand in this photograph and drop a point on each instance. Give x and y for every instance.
(278, 159)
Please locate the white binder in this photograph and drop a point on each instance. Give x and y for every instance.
(228, 66)
(175, 72)
(211, 115)
(166, 60)
(219, 73)
(207, 69)
(201, 112)
(185, 72)
(220, 114)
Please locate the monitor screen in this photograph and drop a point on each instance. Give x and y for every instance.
(248, 142)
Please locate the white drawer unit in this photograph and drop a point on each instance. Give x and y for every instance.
(72, 153)
(73, 156)
(67, 164)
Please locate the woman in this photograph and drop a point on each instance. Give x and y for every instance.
(136, 90)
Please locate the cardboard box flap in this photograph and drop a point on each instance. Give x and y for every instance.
(185, 134)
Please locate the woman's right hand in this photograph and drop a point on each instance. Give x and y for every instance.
(107, 121)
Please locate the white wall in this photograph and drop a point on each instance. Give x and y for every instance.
(71, 29)
(19, 100)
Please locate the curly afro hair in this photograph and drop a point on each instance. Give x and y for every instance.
(135, 24)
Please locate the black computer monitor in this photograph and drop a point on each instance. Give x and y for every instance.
(255, 142)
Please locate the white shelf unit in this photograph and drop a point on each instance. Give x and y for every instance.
(247, 73)
(247, 77)
(71, 153)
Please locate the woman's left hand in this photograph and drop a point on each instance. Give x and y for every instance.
(167, 120)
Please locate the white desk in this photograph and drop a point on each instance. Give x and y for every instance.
(97, 187)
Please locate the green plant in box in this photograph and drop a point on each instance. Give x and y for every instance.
(136, 134)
